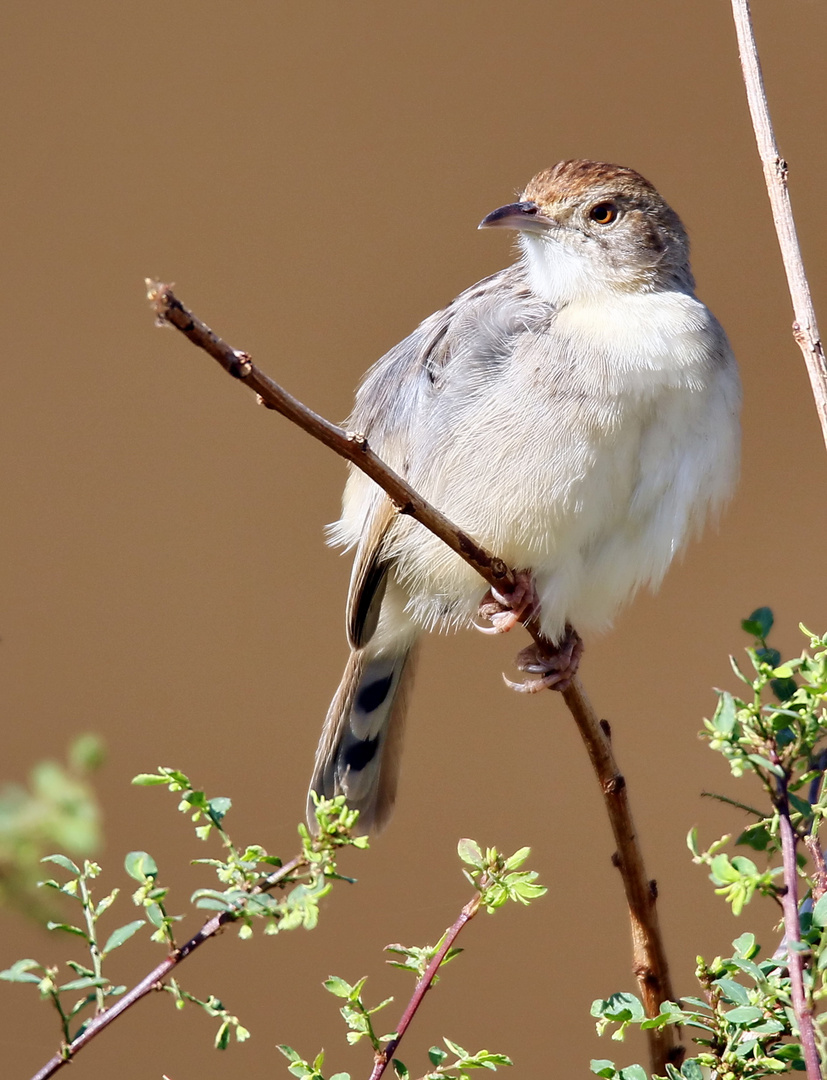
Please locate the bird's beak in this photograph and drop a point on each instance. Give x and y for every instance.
(525, 216)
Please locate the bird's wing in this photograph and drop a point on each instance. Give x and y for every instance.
(405, 394)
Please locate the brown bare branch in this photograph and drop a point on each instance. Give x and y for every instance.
(649, 957)
(805, 328)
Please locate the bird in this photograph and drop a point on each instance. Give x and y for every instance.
(576, 413)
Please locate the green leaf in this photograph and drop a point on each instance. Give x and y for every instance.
(748, 1014)
(122, 934)
(734, 993)
(753, 970)
(721, 871)
(471, 853)
(68, 928)
(820, 912)
(763, 763)
(455, 1048)
(784, 671)
(619, 1007)
(437, 1056)
(603, 1067)
(759, 622)
(770, 657)
(697, 1002)
(724, 718)
(87, 753)
(745, 946)
(83, 984)
(80, 969)
(692, 1070)
(20, 972)
(400, 1070)
(790, 1052)
(64, 861)
(801, 805)
(337, 986)
(105, 903)
(222, 1039)
(140, 865)
(518, 858)
(218, 808)
(228, 897)
(633, 1072)
(155, 915)
(755, 836)
(149, 779)
(783, 688)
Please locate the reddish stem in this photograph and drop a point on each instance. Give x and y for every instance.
(384, 1057)
(792, 933)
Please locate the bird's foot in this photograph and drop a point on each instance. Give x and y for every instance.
(555, 665)
(504, 608)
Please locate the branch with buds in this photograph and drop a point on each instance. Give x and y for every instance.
(649, 957)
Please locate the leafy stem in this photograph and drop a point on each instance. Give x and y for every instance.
(90, 915)
(496, 880)
(384, 1056)
(250, 876)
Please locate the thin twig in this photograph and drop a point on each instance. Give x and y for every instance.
(805, 328)
(154, 979)
(819, 867)
(649, 958)
(384, 1057)
(792, 933)
(811, 838)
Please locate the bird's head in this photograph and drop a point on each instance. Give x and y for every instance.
(586, 226)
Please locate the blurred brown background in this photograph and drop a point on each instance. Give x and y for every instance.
(312, 176)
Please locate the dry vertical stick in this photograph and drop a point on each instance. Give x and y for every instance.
(805, 328)
(649, 957)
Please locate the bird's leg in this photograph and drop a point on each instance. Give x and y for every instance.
(504, 608)
(556, 665)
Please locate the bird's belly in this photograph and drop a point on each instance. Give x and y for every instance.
(594, 509)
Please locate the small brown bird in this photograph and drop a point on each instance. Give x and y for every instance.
(576, 413)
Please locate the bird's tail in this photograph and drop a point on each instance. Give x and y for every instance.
(361, 744)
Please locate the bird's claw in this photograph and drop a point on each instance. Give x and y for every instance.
(555, 665)
(505, 608)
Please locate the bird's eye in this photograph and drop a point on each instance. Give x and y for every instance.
(604, 213)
